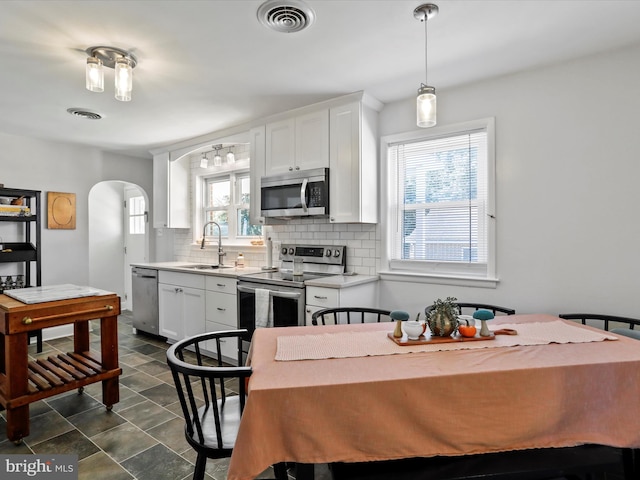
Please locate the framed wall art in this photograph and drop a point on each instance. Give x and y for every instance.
(61, 210)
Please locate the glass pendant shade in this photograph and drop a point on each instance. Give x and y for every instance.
(124, 79)
(231, 158)
(426, 106)
(217, 160)
(94, 75)
(204, 161)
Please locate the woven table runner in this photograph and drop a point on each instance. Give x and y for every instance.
(319, 346)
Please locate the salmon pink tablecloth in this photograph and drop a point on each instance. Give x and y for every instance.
(434, 403)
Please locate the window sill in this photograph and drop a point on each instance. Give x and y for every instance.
(414, 277)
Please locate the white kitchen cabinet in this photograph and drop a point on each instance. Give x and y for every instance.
(280, 146)
(222, 313)
(170, 192)
(312, 140)
(256, 171)
(297, 143)
(353, 179)
(362, 295)
(181, 304)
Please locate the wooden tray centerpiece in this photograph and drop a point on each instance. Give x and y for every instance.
(427, 338)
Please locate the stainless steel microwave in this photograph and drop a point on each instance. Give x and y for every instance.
(296, 194)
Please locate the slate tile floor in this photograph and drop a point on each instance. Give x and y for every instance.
(141, 438)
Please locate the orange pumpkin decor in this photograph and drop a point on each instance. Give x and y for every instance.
(467, 330)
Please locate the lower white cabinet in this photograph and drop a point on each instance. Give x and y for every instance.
(181, 304)
(191, 303)
(362, 295)
(221, 314)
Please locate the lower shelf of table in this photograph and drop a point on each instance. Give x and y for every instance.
(57, 374)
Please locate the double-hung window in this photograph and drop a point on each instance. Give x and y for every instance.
(226, 202)
(440, 199)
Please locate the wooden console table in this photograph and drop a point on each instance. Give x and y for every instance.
(23, 382)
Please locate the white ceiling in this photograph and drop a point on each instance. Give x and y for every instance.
(207, 65)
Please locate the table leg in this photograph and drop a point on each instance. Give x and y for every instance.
(304, 471)
(16, 385)
(81, 336)
(109, 352)
(631, 462)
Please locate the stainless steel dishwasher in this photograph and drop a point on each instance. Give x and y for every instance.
(144, 284)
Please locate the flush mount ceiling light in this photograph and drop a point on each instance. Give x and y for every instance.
(286, 16)
(426, 100)
(121, 61)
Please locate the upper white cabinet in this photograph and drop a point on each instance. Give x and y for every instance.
(170, 192)
(297, 143)
(353, 169)
(256, 169)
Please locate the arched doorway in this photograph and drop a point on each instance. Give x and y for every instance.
(118, 236)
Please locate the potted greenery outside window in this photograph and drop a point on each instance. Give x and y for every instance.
(443, 317)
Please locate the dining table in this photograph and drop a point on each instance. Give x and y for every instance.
(351, 393)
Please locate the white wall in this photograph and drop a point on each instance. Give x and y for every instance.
(568, 194)
(106, 237)
(50, 166)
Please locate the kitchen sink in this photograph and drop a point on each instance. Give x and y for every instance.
(206, 267)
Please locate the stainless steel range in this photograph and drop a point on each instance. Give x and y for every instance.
(285, 288)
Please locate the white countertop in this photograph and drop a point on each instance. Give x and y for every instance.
(332, 281)
(341, 281)
(183, 267)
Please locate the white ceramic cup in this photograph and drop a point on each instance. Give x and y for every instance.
(413, 329)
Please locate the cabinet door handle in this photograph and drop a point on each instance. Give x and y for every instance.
(319, 297)
(221, 284)
(179, 290)
(290, 169)
(222, 309)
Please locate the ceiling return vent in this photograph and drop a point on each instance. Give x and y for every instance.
(286, 16)
(78, 112)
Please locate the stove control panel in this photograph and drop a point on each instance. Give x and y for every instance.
(328, 254)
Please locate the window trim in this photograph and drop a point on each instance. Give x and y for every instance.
(448, 273)
(199, 178)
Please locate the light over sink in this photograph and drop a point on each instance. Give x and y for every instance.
(206, 267)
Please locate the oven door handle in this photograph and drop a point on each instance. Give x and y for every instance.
(273, 293)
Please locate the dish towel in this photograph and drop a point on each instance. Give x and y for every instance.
(263, 308)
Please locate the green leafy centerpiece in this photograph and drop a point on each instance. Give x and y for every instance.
(443, 317)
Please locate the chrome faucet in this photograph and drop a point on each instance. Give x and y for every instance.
(220, 252)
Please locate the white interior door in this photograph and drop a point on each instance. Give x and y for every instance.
(136, 228)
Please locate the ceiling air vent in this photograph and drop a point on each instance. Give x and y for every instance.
(78, 112)
(286, 16)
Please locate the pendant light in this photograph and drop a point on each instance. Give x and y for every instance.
(231, 158)
(426, 100)
(204, 161)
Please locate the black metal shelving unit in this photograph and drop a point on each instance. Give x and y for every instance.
(29, 250)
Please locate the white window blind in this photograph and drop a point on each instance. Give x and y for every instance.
(440, 217)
